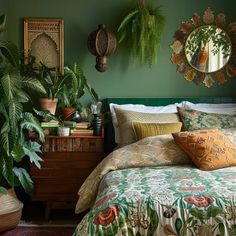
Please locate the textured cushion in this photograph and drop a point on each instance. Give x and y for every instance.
(231, 134)
(171, 108)
(125, 119)
(193, 120)
(208, 149)
(143, 130)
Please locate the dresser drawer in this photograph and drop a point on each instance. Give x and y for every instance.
(73, 144)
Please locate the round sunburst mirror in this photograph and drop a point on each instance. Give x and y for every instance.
(204, 49)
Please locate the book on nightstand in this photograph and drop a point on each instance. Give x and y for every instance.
(81, 132)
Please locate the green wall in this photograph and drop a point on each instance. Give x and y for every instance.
(4, 10)
(124, 77)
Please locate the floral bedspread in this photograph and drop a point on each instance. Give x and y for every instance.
(164, 200)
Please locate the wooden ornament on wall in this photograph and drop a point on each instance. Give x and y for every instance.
(101, 43)
(44, 39)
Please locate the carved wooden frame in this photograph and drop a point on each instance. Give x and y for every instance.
(178, 56)
(39, 37)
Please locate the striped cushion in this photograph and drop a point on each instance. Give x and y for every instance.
(143, 130)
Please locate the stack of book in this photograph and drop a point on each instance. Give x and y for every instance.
(82, 129)
(51, 124)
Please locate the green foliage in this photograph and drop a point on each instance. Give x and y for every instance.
(48, 77)
(200, 37)
(14, 122)
(75, 85)
(141, 30)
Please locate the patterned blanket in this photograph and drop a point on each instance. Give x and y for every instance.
(157, 200)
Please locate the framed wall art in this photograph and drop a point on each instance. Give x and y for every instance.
(44, 39)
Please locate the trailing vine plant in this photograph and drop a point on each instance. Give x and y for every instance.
(141, 30)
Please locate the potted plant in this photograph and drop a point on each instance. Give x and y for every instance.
(73, 90)
(51, 81)
(15, 145)
(141, 30)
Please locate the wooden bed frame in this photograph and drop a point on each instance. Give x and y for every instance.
(162, 101)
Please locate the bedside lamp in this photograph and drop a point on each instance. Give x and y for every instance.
(97, 121)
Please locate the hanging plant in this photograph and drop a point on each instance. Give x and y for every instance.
(141, 29)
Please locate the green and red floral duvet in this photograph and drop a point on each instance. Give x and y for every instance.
(159, 200)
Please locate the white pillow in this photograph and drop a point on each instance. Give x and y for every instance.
(171, 108)
(223, 108)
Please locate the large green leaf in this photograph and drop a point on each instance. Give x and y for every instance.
(24, 179)
(30, 149)
(10, 84)
(4, 139)
(3, 190)
(2, 22)
(31, 123)
(45, 114)
(33, 84)
(7, 169)
(15, 112)
(10, 51)
(18, 153)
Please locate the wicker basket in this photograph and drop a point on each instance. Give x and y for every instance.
(10, 210)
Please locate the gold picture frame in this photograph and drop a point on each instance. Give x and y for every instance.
(44, 39)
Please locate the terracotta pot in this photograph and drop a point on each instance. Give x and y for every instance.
(68, 113)
(10, 210)
(48, 104)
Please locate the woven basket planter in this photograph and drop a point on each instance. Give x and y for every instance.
(10, 210)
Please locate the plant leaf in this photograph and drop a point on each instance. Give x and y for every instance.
(2, 22)
(24, 179)
(30, 123)
(33, 84)
(18, 153)
(30, 148)
(7, 170)
(10, 51)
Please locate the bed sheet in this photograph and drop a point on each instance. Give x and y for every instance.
(164, 200)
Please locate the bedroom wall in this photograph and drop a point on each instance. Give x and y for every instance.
(124, 77)
(4, 10)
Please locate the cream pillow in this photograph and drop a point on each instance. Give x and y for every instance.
(171, 108)
(125, 119)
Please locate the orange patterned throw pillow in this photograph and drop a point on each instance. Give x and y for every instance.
(208, 149)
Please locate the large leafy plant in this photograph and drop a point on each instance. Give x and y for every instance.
(141, 30)
(75, 85)
(14, 122)
(49, 78)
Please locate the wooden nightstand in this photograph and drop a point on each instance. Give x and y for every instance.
(67, 161)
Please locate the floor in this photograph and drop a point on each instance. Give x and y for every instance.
(33, 213)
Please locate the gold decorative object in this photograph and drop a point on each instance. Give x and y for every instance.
(44, 39)
(204, 49)
(101, 43)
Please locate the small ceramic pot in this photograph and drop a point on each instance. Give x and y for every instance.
(63, 131)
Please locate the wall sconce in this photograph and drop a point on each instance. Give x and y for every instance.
(101, 43)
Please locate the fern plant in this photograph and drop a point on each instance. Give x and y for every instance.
(141, 30)
(14, 122)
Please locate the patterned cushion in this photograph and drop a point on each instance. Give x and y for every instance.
(208, 149)
(125, 119)
(193, 120)
(143, 130)
(231, 134)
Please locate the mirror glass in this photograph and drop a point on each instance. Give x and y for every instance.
(208, 49)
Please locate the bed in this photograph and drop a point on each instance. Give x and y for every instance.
(152, 187)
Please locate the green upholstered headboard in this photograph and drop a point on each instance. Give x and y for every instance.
(109, 130)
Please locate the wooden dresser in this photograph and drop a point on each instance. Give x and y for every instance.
(67, 161)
